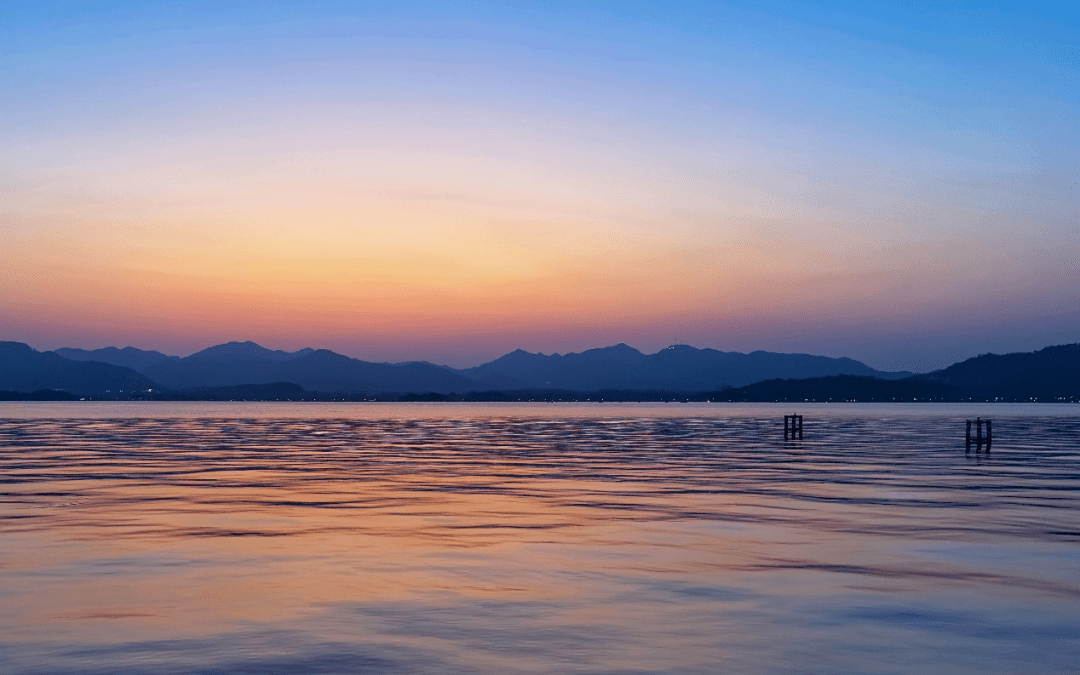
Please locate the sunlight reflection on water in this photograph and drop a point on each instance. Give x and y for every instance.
(499, 539)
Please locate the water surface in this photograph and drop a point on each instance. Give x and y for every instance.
(434, 538)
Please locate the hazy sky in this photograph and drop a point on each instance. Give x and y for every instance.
(449, 181)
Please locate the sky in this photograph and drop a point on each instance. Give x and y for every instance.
(449, 181)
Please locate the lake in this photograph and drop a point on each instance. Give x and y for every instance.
(537, 538)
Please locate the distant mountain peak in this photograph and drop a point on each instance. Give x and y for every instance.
(250, 350)
(681, 348)
(16, 348)
(245, 348)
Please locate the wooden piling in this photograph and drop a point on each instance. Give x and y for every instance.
(978, 438)
(792, 426)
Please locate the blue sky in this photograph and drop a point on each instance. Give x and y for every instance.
(896, 183)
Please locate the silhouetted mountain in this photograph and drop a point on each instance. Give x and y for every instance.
(25, 369)
(1053, 372)
(677, 368)
(141, 360)
(240, 370)
(317, 370)
(1050, 374)
(128, 357)
(249, 350)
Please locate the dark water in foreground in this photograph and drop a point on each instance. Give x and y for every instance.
(536, 539)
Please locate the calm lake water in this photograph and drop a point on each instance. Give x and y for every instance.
(389, 538)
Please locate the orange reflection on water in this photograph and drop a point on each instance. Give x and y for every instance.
(503, 544)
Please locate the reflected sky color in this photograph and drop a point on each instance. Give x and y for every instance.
(450, 181)
(595, 539)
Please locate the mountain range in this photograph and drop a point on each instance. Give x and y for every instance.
(677, 368)
(321, 370)
(242, 369)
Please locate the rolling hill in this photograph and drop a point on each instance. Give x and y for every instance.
(25, 369)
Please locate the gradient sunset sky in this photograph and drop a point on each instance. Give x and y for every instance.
(450, 181)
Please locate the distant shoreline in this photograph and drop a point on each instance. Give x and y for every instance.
(249, 372)
(543, 396)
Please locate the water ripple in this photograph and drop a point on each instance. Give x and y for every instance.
(503, 543)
